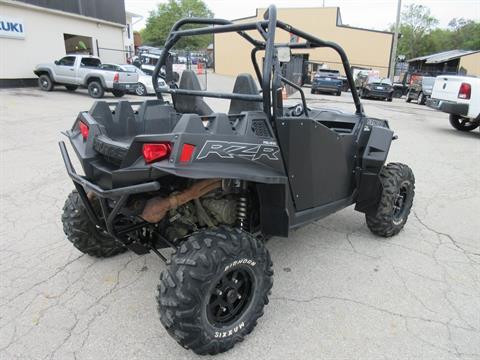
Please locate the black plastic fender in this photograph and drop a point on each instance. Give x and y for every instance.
(373, 158)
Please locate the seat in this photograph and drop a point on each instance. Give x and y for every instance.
(244, 84)
(187, 104)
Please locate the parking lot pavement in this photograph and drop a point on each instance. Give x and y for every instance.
(339, 291)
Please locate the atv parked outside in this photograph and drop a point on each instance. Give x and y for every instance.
(214, 186)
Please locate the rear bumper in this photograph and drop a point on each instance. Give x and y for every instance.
(87, 185)
(327, 88)
(124, 87)
(449, 107)
(378, 94)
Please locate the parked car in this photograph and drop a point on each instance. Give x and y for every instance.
(327, 81)
(420, 89)
(85, 71)
(145, 85)
(460, 97)
(377, 88)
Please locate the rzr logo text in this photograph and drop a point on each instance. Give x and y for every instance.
(229, 150)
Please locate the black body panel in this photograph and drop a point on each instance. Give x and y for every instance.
(319, 160)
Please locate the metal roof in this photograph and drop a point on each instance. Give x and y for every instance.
(444, 56)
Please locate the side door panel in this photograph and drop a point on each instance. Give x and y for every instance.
(319, 161)
(65, 70)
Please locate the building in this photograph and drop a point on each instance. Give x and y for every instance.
(464, 62)
(41, 31)
(129, 36)
(365, 48)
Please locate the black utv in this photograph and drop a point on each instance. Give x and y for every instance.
(214, 186)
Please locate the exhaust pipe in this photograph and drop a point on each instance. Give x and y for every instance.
(157, 207)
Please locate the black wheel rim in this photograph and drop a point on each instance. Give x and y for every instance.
(399, 206)
(230, 297)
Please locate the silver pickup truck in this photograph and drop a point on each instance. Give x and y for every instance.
(86, 71)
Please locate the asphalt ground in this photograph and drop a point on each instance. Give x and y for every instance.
(339, 291)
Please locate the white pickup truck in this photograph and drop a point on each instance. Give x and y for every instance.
(86, 71)
(460, 97)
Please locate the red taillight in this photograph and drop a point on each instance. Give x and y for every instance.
(187, 152)
(116, 77)
(156, 152)
(83, 130)
(465, 91)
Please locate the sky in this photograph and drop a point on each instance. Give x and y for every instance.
(371, 14)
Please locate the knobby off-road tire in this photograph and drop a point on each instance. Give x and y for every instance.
(198, 296)
(83, 234)
(396, 200)
(462, 124)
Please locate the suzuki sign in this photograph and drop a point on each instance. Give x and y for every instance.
(11, 28)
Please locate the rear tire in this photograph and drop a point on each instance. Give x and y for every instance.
(462, 124)
(396, 200)
(397, 94)
(83, 234)
(95, 89)
(118, 93)
(71, 87)
(214, 289)
(45, 83)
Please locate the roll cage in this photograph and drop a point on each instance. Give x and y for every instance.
(270, 78)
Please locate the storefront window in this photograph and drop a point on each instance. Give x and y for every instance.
(77, 44)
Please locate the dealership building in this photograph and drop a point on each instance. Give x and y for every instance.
(365, 48)
(42, 31)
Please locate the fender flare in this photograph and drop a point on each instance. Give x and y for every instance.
(95, 76)
(42, 70)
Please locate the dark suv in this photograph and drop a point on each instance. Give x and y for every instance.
(420, 89)
(327, 81)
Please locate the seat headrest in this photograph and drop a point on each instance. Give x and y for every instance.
(244, 84)
(190, 104)
(189, 80)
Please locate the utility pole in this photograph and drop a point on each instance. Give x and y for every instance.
(393, 60)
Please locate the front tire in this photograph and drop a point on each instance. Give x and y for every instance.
(421, 99)
(141, 90)
(45, 83)
(395, 202)
(214, 289)
(462, 124)
(95, 89)
(83, 234)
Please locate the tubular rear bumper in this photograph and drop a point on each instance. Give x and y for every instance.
(89, 186)
(448, 106)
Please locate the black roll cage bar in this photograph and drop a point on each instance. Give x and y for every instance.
(266, 28)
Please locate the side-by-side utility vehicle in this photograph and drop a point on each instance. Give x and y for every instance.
(213, 186)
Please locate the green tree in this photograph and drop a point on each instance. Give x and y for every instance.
(161, 20)
(416, 23)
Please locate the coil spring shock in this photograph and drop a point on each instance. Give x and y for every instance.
(242, 208)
